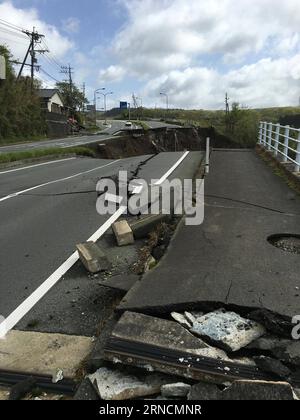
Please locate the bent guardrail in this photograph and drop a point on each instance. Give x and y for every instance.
(283, 141)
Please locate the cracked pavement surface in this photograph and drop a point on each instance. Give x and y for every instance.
(228, 260)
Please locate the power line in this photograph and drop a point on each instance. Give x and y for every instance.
(11, 25)
(49, 75)
(16, 34)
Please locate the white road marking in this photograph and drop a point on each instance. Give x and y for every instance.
(16, 194)
(35, 166)
(171, 170)
(12, 320)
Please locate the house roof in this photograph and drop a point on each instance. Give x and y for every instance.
(48, 93)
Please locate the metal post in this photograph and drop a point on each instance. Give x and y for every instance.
(265, 134)
(286, 143)
(260, 133)
(298, 155)
(277, 139)
(270, 136)
(207, 162)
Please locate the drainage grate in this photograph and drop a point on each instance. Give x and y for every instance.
(286, 242)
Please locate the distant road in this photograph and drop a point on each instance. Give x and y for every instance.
(113, 128)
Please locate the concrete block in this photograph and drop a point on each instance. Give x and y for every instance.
(93, 258)
(123, 233)
(178, 390)
(114, 385)
(227, 329)
(245, 391)
(142, 227)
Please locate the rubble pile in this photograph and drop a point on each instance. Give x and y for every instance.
(217, 355)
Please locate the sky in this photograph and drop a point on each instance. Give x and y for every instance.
(193, 50)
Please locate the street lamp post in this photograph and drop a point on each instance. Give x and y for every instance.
(95, 102)
(105, 95)
(167, 100)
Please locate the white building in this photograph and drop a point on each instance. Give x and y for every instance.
(51, 100)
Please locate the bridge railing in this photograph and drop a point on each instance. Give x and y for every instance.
(283, 141)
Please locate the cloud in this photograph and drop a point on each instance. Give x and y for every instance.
(112, 74)
(71, 25)
(27, 19)
(198, 49)
(269, 82)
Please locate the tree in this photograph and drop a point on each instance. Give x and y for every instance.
(20, 110)
(72, 97)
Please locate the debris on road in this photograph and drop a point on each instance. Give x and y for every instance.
(93, 258)
(227, 330)
(122, 282)
(123, 233)
(58, 376)
(178, 390)
(114, 385)
(21, 389)
(244, 390)
(150, 264)
(273, 366)
(140, 340)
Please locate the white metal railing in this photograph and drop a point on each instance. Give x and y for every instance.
(284, 141)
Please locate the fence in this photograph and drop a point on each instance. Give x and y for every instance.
(283, 141)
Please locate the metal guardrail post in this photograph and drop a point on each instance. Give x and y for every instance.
(286, 143)
(207, 163)
(277, 138)
(298, 155)
(270, 137)
(261, 128)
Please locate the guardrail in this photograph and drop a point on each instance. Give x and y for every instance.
(284, 141)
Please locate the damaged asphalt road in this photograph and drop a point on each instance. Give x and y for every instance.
(50, 221)
(228, 261)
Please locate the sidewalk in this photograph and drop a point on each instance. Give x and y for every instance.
(228, 260)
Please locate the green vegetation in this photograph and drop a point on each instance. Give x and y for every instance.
(142, 124)
(20, 111)
(73, 99)
(32, 154)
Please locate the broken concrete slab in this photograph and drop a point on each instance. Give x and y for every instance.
(165, 346)
(123, 283)
(273, 366)
(287, 351)
(227, 330)
(123, 233)
(43, 354)
(114, 385)
(146, 224)
(245, 391)
(178, 390)
(86, 392)
(4, 394)
(181, 319)
(93, 258)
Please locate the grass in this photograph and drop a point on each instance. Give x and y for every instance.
(32, 154)
(142, 124)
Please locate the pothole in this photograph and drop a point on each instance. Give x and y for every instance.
(286, 242)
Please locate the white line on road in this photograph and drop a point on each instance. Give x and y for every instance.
(12, 320)
(55, 181)
(35, 166)
(171, 170)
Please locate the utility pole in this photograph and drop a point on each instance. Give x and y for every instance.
(68, 70)
(35, 38)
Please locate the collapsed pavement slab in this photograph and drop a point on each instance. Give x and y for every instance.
(93, 258)
(245, 391)
(123, 233)
(43, 354)
(227, 330)
(227, 261)
(165, 346)
(114, 385)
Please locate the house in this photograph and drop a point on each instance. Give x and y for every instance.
(51, 101)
